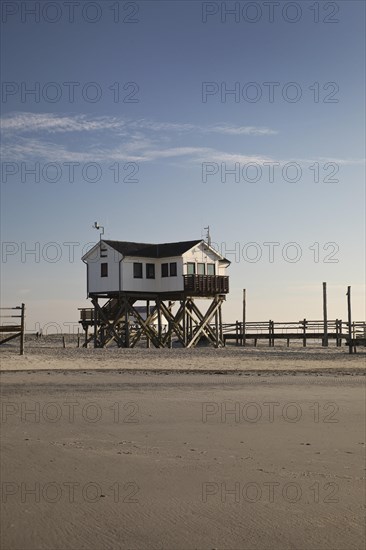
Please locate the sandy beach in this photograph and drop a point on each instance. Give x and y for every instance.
(48, 354)
(97, 456)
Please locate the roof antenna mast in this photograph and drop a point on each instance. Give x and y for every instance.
(100, 229)
(208, 236)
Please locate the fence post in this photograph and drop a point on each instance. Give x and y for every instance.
(325, 316)
(269, 333)
(243, 341)
(340, 330)
(22, 329)
(304, 333)
(350, 350)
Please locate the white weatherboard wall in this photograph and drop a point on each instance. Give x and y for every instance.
(159, 284)
(96, 283)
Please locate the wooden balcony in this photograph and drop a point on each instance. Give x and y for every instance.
(206, 285)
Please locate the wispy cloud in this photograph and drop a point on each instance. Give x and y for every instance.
(27, 149)
(224, 129)
(51, 123)
(27, 136)
(30, 122)
(56, 138)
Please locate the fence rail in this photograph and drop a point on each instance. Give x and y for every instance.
(304, 330)
(15, 330)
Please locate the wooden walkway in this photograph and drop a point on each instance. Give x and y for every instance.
(304, 330)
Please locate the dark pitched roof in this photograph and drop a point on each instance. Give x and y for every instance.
(146, 250)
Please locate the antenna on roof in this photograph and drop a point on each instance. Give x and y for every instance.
(208, 236)
(100, 229)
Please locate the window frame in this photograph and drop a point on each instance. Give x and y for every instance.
(104, 269)
(198, 267)
(194, 268)
(148, 276)
(165, 266)
(135, 275)
(173, 272)
(214, 270)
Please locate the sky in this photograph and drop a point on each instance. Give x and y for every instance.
(158, 119)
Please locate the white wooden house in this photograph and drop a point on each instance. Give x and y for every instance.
(192, 267)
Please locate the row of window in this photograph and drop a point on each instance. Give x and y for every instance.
(167, 270)
(202, 269)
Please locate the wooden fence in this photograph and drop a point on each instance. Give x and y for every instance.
(16, 330)
(304, 330)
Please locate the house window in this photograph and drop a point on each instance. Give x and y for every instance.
(201, 269)
(150, 271)
(103, 253)
(210, 269)
(104, 270)
(191, 268)
(164, 270)
(173, 269)
(137, 270)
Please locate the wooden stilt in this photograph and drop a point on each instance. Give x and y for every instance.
(159, 319)
(95, 303)
(217, 329)
(184, 305)
(118, 320)
(127, 323)
(147, 316)
(170, 327)
(222, 341)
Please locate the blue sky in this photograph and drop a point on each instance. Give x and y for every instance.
(164, 132)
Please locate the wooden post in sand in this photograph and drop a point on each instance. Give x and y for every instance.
(22, 329)
(350, 347)
(304, 333)
(325, 316)
(243, 338)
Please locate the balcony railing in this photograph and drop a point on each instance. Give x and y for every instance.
(206, 284)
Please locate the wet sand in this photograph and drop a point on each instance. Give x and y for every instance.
(114, 460)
